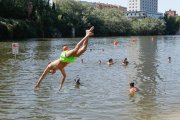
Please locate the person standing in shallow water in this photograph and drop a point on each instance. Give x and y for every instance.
(66, 57)
(132, 89)
(125, 62)
(169, 59)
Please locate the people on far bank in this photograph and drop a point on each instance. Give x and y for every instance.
(132, 89)
(125, 61)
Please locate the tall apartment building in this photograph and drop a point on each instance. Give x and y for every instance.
(143, 8)
(143, 5)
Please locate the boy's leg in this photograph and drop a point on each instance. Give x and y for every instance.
(80, 43)
(82, 49)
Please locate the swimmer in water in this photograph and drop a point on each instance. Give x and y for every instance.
(66, 57)
(125, 62)
(77, 80)
(169, 59)
(82, 61)
(132, 89)
(99, 62)
(110, 61)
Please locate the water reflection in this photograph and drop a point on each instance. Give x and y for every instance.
(147, 76)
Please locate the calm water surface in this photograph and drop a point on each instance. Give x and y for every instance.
(103, 94)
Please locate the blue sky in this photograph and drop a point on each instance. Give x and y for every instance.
(163, 5)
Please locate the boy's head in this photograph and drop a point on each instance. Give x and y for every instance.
(131, 84)
(65, 47)
(52, 71)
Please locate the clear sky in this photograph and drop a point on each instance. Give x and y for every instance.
(163, 5)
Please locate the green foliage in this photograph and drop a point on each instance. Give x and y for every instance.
(148, 26)
(72, 16)
(18, 20)
(12, 9)
(16, 29)
(110, 22)
(22, 29)
(172, 24)
(5, 32)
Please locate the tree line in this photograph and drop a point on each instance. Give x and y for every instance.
(40, 18)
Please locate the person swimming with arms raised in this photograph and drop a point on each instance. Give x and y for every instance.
(66, 57)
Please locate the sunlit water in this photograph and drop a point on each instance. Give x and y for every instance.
(103, 93)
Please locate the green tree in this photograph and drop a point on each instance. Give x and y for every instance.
(172, 24)
(111, 22)
(72, 16)
(148, 26)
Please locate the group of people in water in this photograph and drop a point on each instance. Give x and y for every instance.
(69, 56)
(132, 88)
(111, 62)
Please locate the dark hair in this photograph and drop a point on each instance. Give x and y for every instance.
(131, 84)
(110, 60)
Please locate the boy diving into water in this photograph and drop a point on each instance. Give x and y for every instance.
(66, 57)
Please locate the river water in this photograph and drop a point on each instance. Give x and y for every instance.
(103, 93)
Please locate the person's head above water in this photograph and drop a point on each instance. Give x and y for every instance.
(131, 84)
(169, 58)
(78, 81)
(110, 60)
(65, 47)
(133, 89)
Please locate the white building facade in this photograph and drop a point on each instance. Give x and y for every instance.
(144, 8)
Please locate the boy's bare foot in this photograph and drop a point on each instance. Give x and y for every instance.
(90, 30)
(88, 33)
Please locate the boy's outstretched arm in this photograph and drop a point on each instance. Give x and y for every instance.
(42, 77)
